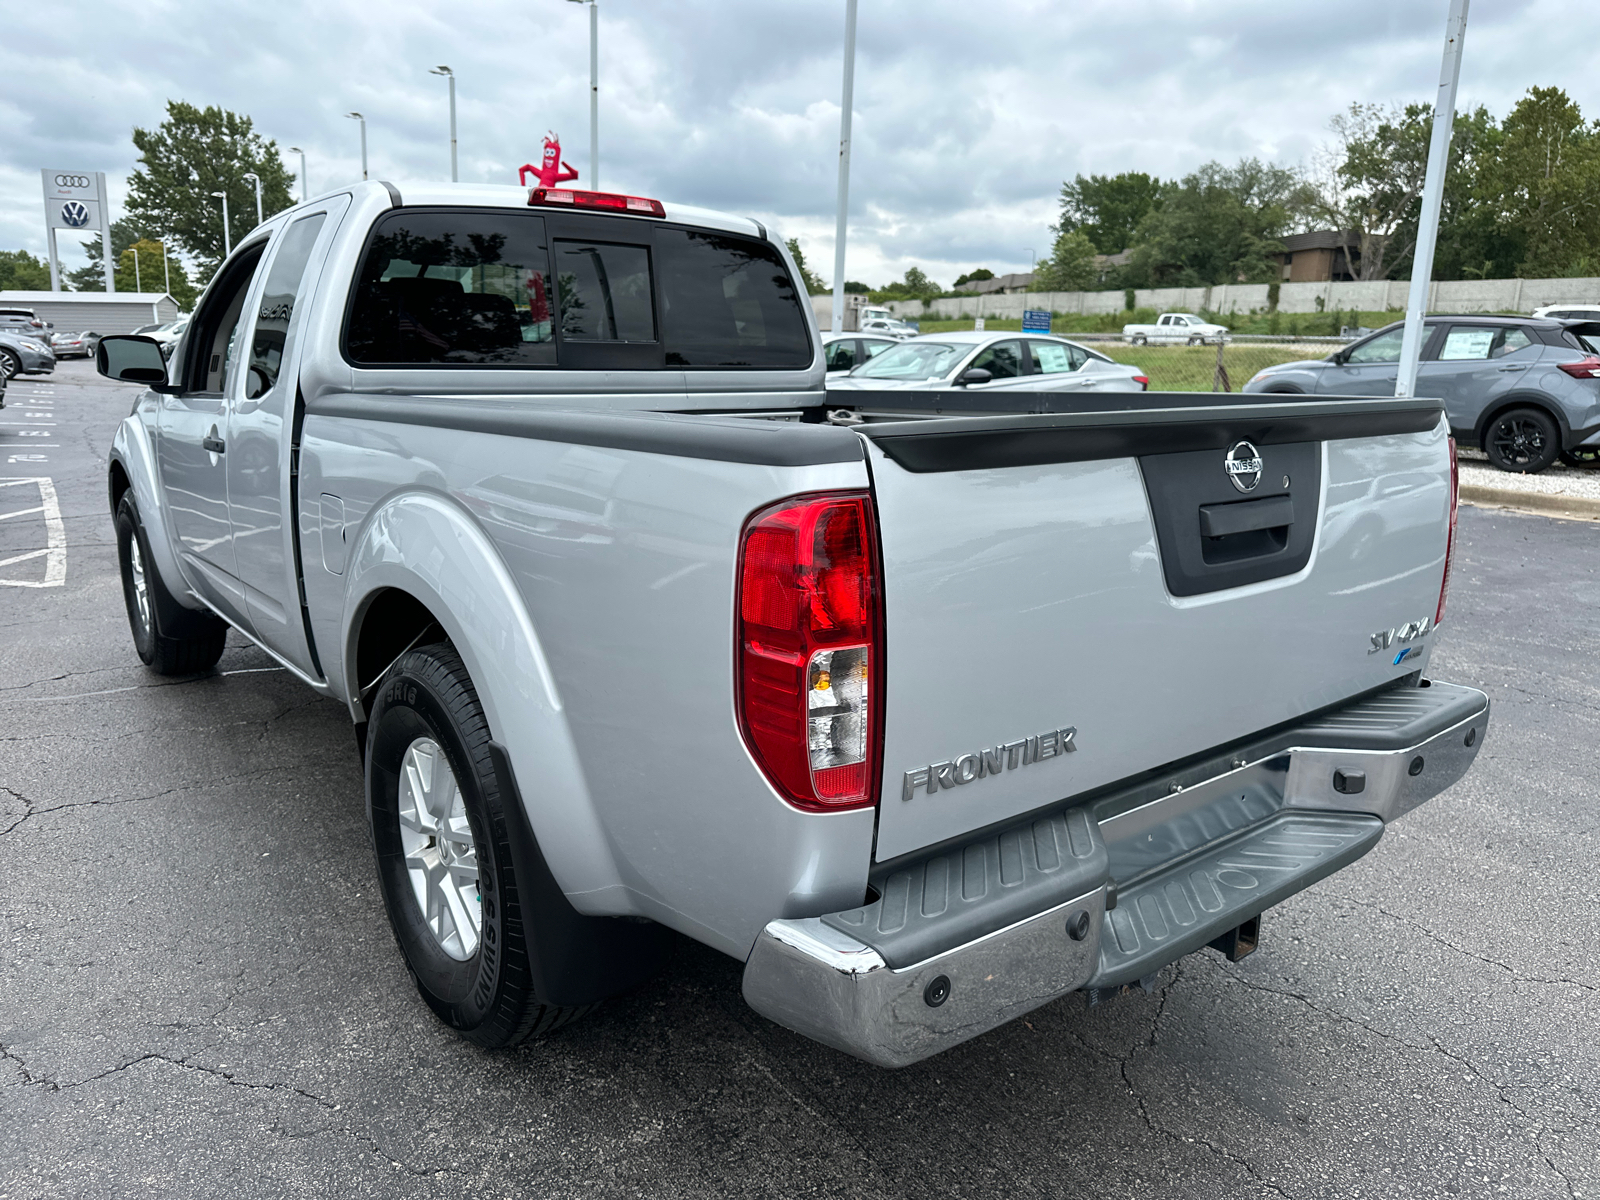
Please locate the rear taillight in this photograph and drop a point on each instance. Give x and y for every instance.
(1584, 368)
(606, 201)
(1143, 381)
(1450, 540)
(810, 649)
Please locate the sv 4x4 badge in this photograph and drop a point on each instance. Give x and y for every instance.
(991, 761)
(1411, 631)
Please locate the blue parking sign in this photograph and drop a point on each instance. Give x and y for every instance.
(1035, 320)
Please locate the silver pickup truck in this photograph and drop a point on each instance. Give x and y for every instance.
(929, 709)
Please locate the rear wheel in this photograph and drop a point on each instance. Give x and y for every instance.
(170, 639)
(1522, 440)
(445, 863)
(1139, 339)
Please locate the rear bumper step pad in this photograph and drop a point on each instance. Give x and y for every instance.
(1107, 892)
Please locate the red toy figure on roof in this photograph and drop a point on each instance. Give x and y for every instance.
(552, 171)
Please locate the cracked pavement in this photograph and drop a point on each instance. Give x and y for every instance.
(200, 996)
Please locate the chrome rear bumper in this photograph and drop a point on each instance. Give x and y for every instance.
(1185, 867)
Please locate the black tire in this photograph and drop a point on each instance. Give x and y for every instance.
(170, 639)
(1139, 339)
(10, 363)
(490, 997)
(1522, 440)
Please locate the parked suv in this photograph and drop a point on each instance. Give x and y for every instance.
(23, 321)
(1525, 389)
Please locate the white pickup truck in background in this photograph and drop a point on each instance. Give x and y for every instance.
(1176, 327)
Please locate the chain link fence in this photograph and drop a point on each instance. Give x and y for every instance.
(1218, 367)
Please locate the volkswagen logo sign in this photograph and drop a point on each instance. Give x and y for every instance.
(1243, 465)
(75, 213)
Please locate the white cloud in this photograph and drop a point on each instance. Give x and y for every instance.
(968, 116)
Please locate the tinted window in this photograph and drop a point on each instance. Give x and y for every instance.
(875, 348)
(463, 288)
(1053, 358)
(1003, 360)
(277, 305)
(1385, 348)
(841, 356)
(728, 302)
(604, 290)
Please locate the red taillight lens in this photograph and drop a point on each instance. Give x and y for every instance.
(1450, 540)
(1143, 381)
(810, 649)
(608, 201)
(1584, 368)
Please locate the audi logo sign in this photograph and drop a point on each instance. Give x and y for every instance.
(74, 181)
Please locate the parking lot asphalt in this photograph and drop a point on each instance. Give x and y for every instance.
(200, 996)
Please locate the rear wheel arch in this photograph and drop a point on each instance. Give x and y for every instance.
(1523, 400)
(117, 482)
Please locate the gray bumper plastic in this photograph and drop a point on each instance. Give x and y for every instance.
(1018, 918)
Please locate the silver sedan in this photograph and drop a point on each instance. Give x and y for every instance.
(983, 362)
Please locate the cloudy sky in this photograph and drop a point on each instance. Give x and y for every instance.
(968, 115)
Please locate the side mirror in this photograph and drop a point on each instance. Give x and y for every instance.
(130, 358)
(973, 375)
(1337, 357)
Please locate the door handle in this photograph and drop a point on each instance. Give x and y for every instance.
(213, 443)
(1515, 367)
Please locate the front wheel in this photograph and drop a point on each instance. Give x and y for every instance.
(169, 638)
(10, 364)
(1522, 440)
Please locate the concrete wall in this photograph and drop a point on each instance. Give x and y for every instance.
(1456, 295)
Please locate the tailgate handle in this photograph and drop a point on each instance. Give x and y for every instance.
(1246, 516)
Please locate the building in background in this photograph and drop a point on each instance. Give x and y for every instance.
(99, 312)
(1321, 255)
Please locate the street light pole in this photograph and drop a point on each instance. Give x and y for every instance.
(451, 76)
(1444, 119)
(256, 179)
(166, 271)
(594, 92)
(844, 162)
(227, 238)
(138, 284)
(305, 193)
(358, 117)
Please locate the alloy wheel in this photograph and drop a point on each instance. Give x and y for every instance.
(1519, 441)
(440, 854)
(141, 586)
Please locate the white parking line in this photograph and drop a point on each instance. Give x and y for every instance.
(55, 549)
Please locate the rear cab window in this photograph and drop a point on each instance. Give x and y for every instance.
(503, 288)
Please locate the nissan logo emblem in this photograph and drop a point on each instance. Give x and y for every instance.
(74, 181)
(1243, 465)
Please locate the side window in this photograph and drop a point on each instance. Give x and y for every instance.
(728, 301)
(1385, 348)
(214, 333)
(1468, 342)
(465, 288)
(1515, 339)
(277, 305)
(603, 291)
(1055, 358)
(1003, 360)
(841, 355)
(875, 347)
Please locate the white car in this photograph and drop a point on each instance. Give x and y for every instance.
(1570, 312)
(983, 362)
(844, 352)
(1176, 327)
(875, 319)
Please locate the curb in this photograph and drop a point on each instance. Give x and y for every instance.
(1570, 508)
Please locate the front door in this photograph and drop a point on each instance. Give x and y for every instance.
(192, 440)
(1370, 368)
(262, 397)
(1474, 366)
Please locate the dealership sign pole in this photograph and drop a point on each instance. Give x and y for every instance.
(77, 200)
(1444, 119)
(846, 104)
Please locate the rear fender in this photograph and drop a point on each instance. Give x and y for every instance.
(132, 451)
(424, 544)
(1526, 400)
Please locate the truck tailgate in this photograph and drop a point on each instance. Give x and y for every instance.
(1072, 599)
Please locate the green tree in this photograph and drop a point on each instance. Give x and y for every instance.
(813, 281)
(977, 276)
(193, 153)
(152, 276)
(92, 278)
(1070, 267)
(852, 287)
(1219, 225)
(1109, 208)
(1542, 186)
(22, 272)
